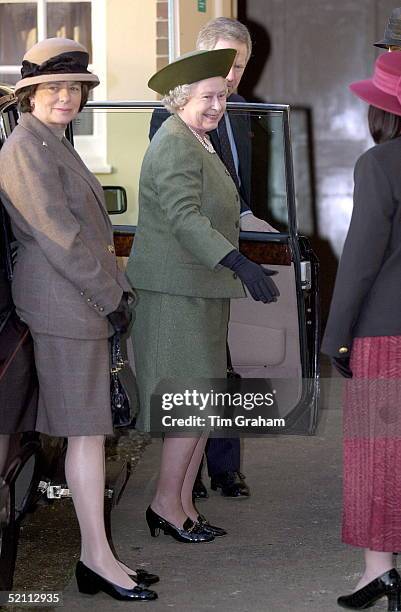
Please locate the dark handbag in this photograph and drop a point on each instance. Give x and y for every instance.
(123, 388)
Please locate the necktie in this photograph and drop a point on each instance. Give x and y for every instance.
(226, 152)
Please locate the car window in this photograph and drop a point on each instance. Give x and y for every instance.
(124, 137)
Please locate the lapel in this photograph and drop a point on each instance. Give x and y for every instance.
(66, 154)
(240, 128)
(242, 141)
(215, 141)
(74, 162)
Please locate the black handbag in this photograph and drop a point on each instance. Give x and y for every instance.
(123, 387)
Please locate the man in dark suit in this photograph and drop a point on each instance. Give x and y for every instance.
(232, 143)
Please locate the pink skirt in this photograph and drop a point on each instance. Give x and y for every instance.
(372, 445)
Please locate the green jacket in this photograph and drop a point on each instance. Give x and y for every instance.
(188, 219)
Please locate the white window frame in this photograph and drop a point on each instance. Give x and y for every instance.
(93, 147)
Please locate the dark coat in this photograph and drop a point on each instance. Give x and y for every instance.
(240, 124)
(367, 294)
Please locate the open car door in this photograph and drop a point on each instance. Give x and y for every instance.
(273, 341)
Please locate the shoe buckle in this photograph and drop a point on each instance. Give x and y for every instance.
(194, 527)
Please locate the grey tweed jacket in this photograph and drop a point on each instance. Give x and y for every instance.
(66, 277)
(188, 219)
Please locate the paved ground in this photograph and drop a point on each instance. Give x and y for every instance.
(283, 551)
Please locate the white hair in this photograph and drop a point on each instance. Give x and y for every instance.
(176, 98)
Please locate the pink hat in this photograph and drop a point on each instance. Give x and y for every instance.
(383, 90)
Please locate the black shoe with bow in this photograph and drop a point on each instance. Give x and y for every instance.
(90, 583)
(144, 578)
(189, 532)
(387, 585)
(232, 484)
(216, 531)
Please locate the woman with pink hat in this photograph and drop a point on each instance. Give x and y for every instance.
(363, 338)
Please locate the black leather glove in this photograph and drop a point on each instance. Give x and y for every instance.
(341, 364)
(121, 317)
(255, 277)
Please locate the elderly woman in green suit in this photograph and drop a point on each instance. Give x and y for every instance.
(185, 267)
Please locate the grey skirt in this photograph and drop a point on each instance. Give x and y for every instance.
(74, 386)
(176, 336)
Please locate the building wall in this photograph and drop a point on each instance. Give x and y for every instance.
(189, 20)
(131, 48)
(131, 52)
(306, 54)
(137, 46)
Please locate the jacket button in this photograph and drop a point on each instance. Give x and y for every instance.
(234, 275)
(343, 350)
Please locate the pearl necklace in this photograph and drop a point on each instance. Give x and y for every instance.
(205, 142)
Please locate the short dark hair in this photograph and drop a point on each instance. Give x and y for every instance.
(24, 97)
(383, 125)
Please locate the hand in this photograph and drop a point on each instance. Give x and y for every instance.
(255, 277)
(250, 223)
(258, 282)
(341, 364)
(121, 317)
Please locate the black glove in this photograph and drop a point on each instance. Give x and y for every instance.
(121, 317)
(341, 364)
(255, 277)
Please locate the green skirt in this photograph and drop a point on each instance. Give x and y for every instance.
(176, 336)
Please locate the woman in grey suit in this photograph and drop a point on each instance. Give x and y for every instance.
(69, 290)
(185, 267)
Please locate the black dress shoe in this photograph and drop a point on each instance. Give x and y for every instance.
(199, 490)
(189, 532)
(91, 583)
(387, 585)
(144, 578)
(216, 531)
(232, 484)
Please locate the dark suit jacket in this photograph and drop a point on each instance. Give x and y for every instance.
(367, 293)
(240, 124)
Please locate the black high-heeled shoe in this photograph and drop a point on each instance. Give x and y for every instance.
(190, 531)
(216, 531)
(387, 585)
(91, 583)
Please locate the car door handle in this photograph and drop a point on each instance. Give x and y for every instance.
(306, 275)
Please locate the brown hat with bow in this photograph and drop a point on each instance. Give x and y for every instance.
(56, 59)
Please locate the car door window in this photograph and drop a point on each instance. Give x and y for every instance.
(275, 341)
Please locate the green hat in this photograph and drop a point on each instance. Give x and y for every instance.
(192, 67)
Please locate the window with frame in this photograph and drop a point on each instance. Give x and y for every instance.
(22, 24)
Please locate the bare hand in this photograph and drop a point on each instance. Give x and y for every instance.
(250, 223)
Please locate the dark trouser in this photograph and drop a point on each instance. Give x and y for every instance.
(223, 455)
